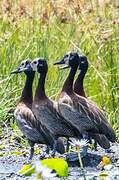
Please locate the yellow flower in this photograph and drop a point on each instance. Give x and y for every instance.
(106, 160)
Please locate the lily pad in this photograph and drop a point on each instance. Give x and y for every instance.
(103, 175)
(27, 170)
(57, 164)
(17, 153)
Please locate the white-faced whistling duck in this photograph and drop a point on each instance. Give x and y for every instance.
(45, 109)
(82, 113)
(25, 119)
(79, 89)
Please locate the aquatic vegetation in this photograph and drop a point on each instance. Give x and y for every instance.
(106, 160)
(43, 171)
(58, 164)
(27, 170)
(45, 168)
(79, 144)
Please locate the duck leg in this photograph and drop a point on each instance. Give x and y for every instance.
(90, 140)
(54, 148)
(95, 145)
(48, 149)
(67, 145)
(31, 150)
(108, 151)
(45, 152)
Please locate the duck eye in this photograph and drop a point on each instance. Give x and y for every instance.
(66, 56)
(35, 62)
(22, 64)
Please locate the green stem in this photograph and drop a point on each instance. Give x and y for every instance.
(81, 165)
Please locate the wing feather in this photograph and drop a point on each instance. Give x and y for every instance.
(28, 125)
(52, 121)
(86, 115)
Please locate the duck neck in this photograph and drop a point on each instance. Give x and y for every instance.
(68, 85)
(40, 90)
(27, 96)
(79, 86)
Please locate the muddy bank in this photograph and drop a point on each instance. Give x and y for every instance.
(14, 154)
(11, 164)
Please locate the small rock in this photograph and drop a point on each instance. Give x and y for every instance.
(117, 163)
(108, 167)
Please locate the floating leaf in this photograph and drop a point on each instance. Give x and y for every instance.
(17, 153)
(2, 153)
(37, 151)
(42, 171)
(27, 170)
(57, 164)
(2, 147)
(103, 175)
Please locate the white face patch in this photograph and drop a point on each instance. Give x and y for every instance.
(34, 65)
(23, 64)
(66, 59)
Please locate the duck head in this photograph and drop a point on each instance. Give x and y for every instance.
(24, 67)
(70, 60)
(39, 65)
(83, 63)
(73, 60)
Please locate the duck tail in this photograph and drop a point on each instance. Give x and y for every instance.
(111, 135)
(101, 140)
